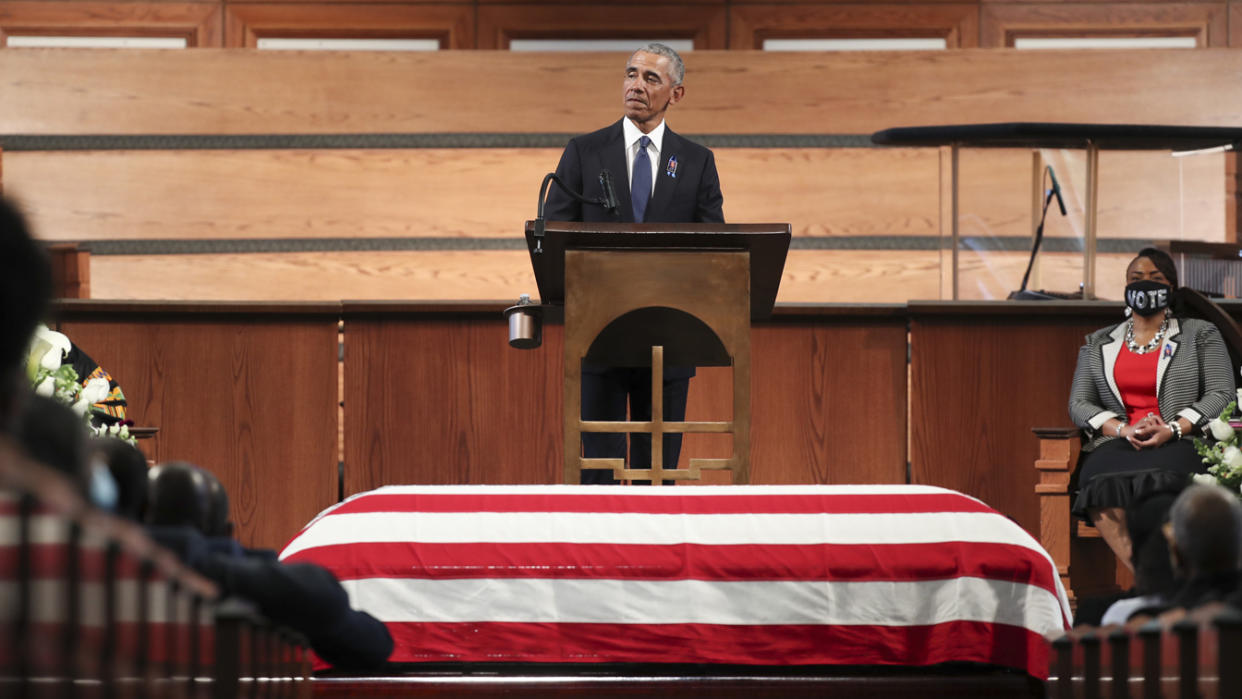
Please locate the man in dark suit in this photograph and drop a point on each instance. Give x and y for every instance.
(667, 180)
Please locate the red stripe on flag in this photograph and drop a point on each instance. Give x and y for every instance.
(957, 641)
(840, 562)
(810, 503)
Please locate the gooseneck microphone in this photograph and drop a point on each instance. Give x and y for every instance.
(1056, 191)
(608, 201)
(1049, 195)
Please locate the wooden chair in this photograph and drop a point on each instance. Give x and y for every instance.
(1083, 561)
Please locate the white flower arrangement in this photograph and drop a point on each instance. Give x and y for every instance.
(51, 378)
(1224, 458)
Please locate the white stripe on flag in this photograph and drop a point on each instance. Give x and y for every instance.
(660, 529)
(630, 491)
(527, 600)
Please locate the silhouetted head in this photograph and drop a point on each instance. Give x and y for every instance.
(55, 436)
(218, 523)
(1206, 526)
(128, 467)
(178, 496)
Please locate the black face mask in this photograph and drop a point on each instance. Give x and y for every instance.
(1148, 297)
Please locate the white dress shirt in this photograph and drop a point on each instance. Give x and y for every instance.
(632, 134)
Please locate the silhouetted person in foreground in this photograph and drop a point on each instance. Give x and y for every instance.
(185, 514)
(1205, 526)
(55, 436)
(128, 467)
(25, 288)
(1154, 579)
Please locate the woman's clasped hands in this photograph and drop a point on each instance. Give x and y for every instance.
(1147, 433)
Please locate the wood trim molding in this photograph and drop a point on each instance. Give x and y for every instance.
(750, 25)
(622, 3)
(1235, 23)
(498, 24)
(245, 24)
(200, 23)
(1205, 21)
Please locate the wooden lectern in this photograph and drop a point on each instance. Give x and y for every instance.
(658, 295)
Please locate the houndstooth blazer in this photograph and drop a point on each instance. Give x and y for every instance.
(1194, 378)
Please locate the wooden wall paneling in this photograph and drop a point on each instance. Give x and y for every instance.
(816, 385)
(71, 271)
(350, 2)
(249, 396)
(811, 276)
(316, 276)
(1207, 22)
(443, 400)
(1235, 23)
(704, 23)
(604, 2)
(828, 400)
(978, 384)
(67, 92)
(330, 193)
(200, 23)
(452, 24)
(1233, 193)
(750, 25)
(436, 192)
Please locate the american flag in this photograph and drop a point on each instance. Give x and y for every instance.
(771, 575)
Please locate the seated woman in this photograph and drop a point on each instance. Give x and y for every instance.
(1141, 388)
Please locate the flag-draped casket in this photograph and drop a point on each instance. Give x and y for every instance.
(774, 575)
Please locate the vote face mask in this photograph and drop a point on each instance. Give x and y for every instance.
(1147, 297)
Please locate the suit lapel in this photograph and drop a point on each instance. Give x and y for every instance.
(613, 158)
(665, 184)
(1109, 352)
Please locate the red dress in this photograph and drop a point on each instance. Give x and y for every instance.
(1135, 375)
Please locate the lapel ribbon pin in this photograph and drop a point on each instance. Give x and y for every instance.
(671, 168)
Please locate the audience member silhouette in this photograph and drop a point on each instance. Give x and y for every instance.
(1154, 579)
(184, 509)
(1205, 540)
(55, 436)
(25, 289)
(128, 467)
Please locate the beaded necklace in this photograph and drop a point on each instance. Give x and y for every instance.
(1155, 340)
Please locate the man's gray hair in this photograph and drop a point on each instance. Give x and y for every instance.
(676, 68)
(1207, 528)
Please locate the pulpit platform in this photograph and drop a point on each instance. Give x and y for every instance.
(710, 589)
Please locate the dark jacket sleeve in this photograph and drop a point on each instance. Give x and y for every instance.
(710, 206)
(561, 206)
(309, 600)
(301, 596)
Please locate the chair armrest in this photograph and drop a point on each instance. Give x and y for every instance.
(1055, 432)
(1058, 455)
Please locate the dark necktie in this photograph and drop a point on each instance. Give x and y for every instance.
(640, 183)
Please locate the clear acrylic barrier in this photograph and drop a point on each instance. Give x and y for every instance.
(1144, 197)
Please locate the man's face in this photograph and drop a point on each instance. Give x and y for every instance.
(649, 90)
